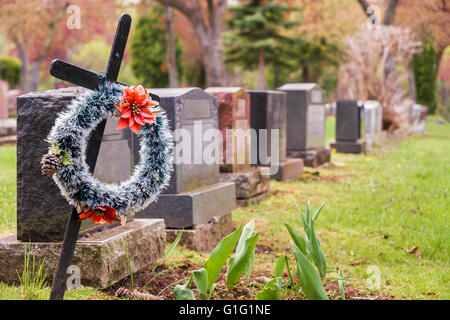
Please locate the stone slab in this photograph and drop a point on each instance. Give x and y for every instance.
(8, 139)
(349, 146)
(190, 112)
(253, 200)
(305, 116)
(101, 256)
(41, 209)
(313, 157)
(349, 122)
(267, 113)
(234, 123)
(195, 207)
(4, 86)
(206, 236)
(288, 169)
(8, 127)
(250, 183)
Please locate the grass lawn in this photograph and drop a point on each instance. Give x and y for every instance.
(377, 207)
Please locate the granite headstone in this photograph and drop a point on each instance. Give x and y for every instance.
(305, 123)
(349, 127)
(194, 195)
(234, 124)
(41, 209)
(268, 116)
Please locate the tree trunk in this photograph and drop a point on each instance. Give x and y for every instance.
(209, 34)
(170, 54)
(412, 82)
(389, 15)
(305, 73)
(276, 75)
(24, 71)
(35, 69)
(261, 80)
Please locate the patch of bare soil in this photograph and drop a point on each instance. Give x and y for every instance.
(162, 286)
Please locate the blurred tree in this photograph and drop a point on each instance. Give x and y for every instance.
(149, 48)
(10, 70)
(390, 10)
(206, 17)
(256, 37)
(425, 73)
(40, 30)
(171, 50)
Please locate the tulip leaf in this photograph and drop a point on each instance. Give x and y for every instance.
(242, 258)
(201, 280)
(271, 291)
(309, 278)
(182, 293)
(299, 241)
(219, 256)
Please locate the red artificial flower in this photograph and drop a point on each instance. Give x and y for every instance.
(134, 109)
(100, 215)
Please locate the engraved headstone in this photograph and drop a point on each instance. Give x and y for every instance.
(268, 121)
(372, 122)
(252, 184)
(234, 124)
(349, 127)
(41, 209)
(305, 123)
(194, 195)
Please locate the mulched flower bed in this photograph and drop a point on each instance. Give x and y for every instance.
(163, 285)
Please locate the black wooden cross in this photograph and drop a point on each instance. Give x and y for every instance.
(90, 80)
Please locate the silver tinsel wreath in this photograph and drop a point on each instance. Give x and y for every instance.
(71, 131)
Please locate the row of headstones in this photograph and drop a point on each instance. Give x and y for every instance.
(195, 193)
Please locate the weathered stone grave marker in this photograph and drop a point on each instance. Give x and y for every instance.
(195, 199)
(252, 183)
(145, 237)
(3, 99)
(305, 124)
(349, 127)
(373, 122)
(268, 119)
(418, 119)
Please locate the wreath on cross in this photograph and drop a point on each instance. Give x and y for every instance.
(66, 160)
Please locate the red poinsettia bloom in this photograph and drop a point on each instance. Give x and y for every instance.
(134, 109)
(100, 215)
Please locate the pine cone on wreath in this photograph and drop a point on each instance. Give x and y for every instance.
(50, 164)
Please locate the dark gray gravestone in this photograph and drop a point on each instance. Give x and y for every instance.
(305, 125)
(194, 194)
(268, 113)
(41, 209)
(349, 127)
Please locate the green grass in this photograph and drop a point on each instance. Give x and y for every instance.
(376, 205)
(84, 293)
(8, 190)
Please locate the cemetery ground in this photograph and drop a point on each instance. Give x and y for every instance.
(388, 209)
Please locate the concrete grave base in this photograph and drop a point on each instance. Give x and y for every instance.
(203, 237)
(195, 207)
(101, 256)
(252, 185)
(288, 169)
(349, 146)
(312, 157)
